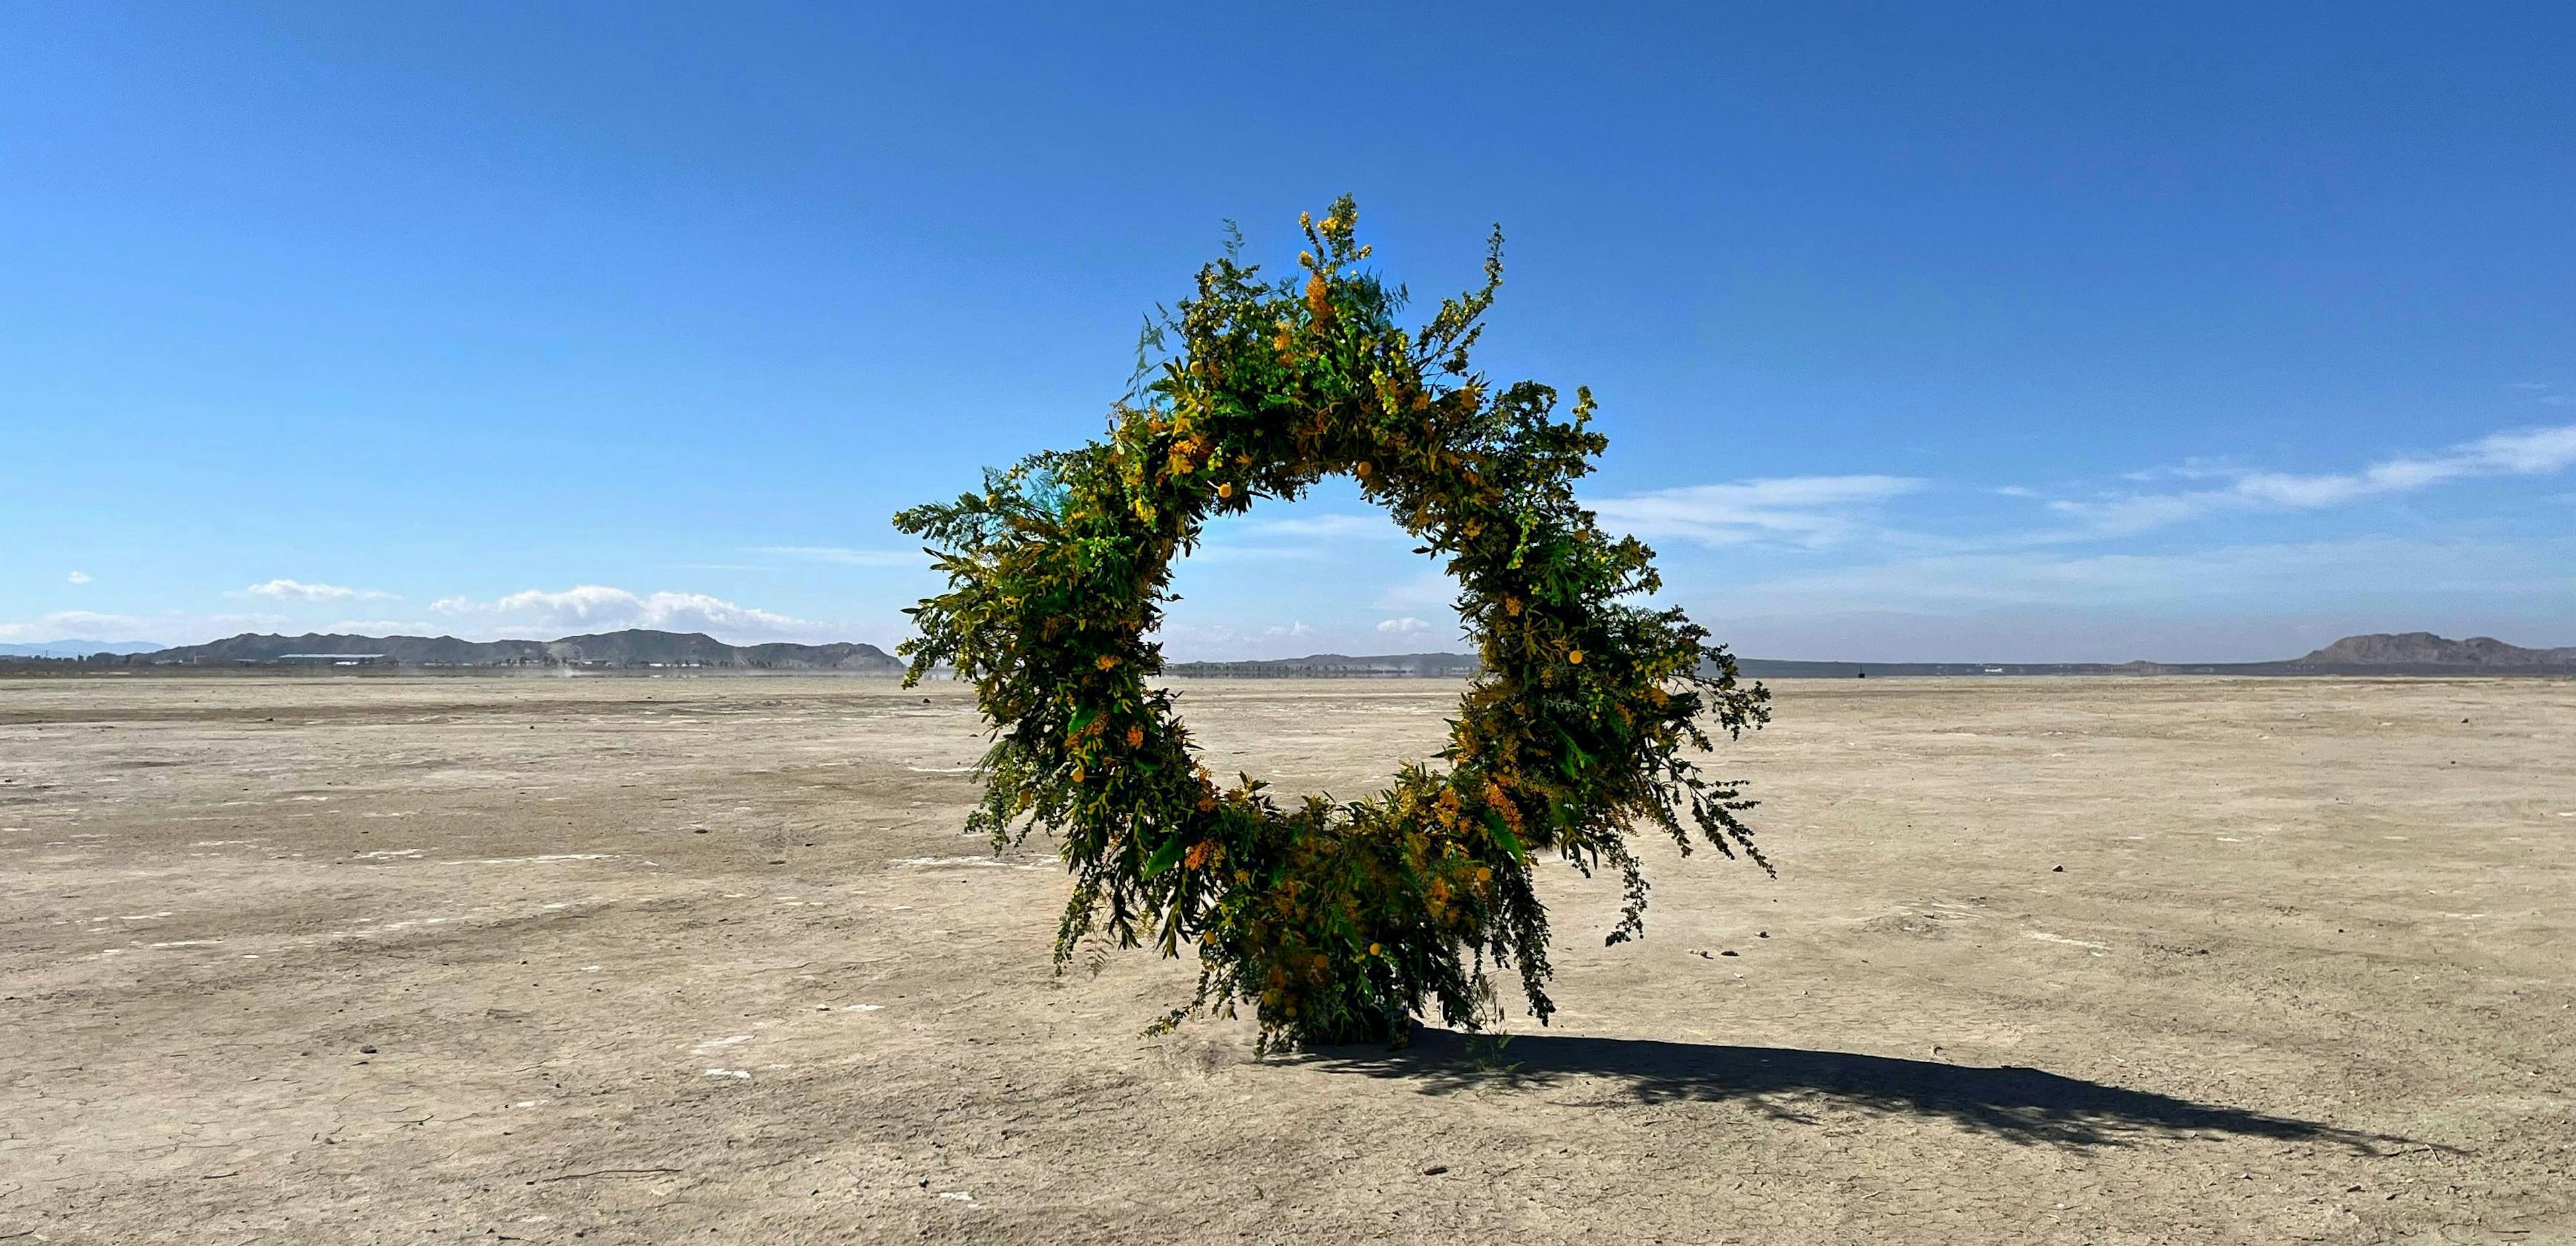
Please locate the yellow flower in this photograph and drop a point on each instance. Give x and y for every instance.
(1077, 774)
(1372, 949)
(1575, 657)
(1135, 736)
(1225, 490)
(1108, 660)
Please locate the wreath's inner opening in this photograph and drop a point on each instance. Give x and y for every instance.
(1295, 615)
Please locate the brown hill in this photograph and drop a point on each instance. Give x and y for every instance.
(1337, 666)
(630, 648)
(2427, 649)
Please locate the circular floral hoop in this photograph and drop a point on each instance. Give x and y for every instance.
(1340, 921)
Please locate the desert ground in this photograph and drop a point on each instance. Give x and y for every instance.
(396, 959)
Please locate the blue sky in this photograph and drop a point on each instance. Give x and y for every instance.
(1943, 331)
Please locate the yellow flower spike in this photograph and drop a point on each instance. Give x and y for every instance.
(1576, 657)
(1108, 661)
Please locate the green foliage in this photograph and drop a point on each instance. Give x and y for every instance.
(1341, 922)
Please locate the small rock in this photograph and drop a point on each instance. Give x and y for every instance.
(1435, 1170)
(781, 861)
(2057, 869)
(366, 1051)
(1727, 952)
(1762, 934)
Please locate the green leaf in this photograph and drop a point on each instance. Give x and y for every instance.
(1503, 833)
(1163, 857)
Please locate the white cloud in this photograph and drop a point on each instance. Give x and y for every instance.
(2532, 452)
(846, 557)
(2277, 572)
(1225, 642)
(80, 577)
(1406, 626)
(293, 590)
(1432, 590)
(536, 614)
(1805, 510)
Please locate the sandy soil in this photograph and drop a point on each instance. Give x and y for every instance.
(707, 960)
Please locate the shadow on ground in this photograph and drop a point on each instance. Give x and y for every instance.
(2018, 1104)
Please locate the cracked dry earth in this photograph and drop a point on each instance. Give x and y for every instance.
(399, 959)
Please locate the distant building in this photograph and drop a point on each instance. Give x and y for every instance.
(321, 659)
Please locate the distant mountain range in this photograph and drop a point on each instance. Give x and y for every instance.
(2409, 653)
(75, 648)
(1336, 665)
(631, 648)
(2406, 653)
